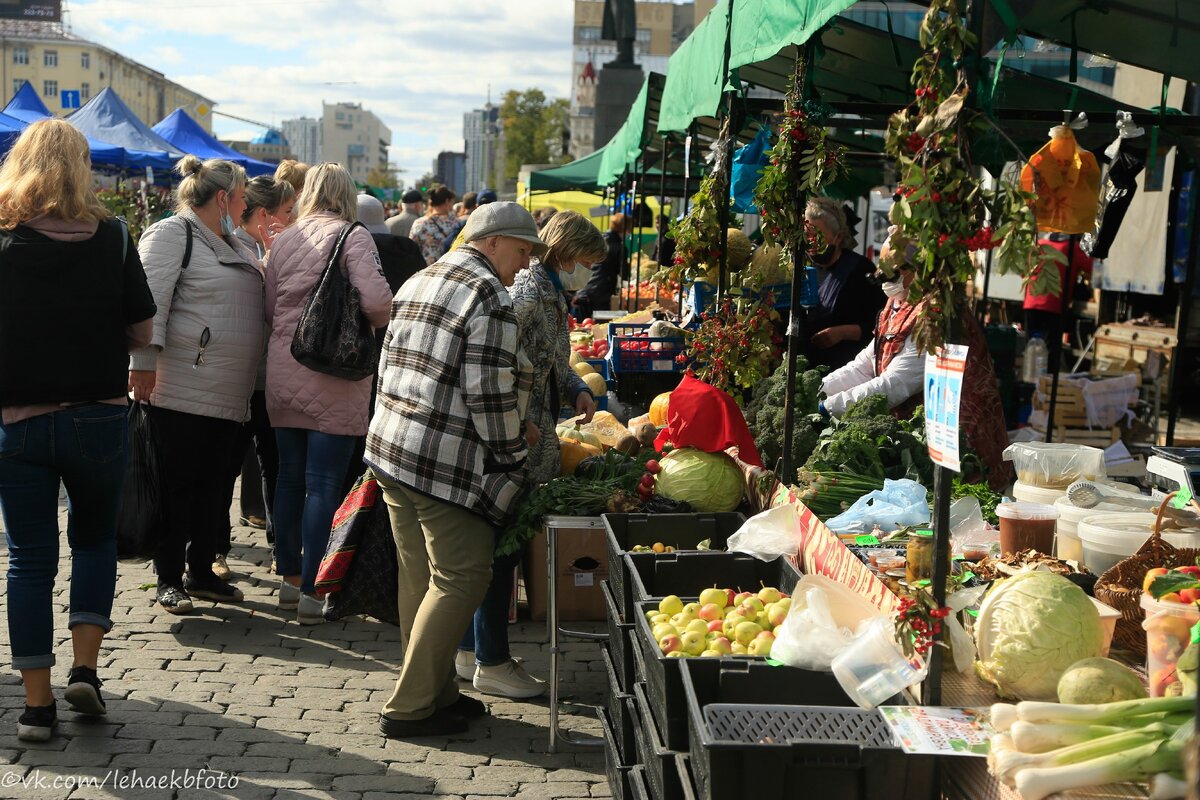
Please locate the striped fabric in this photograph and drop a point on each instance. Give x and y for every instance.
(447, 421)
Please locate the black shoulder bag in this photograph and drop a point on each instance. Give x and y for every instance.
(333, 336)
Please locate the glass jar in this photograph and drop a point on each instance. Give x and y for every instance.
(919, 562)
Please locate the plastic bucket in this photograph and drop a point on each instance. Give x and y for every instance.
(1026, 526)
(873, 669)
(1070, 546)
(1168, 632)
(1028, 493)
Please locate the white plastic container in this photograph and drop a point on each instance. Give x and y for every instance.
(1111, 537)
(1028, 493)
(873, 668)
(1067, 542)
(1108, 622)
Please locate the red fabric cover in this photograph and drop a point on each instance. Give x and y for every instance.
(1080, 262)
(708, 419)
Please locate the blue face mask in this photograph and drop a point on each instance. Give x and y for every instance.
(226, 223)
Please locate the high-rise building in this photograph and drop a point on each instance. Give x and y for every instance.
(661, 26)
(64, 68)
(355, 138)
(481, 134)
(304, 138)
(450, 169)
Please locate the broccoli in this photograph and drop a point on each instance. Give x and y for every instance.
(765, 413)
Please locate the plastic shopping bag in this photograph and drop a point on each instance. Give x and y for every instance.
(897, 504)
(767, 535)
(359, 573)
(143, 515)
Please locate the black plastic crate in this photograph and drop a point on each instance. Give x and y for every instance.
(653, 576)
(618, 775)
(661, 773)
(686, 782)
(793, 751)
(639, 789)
(743, 678)
(640, 388)
(681, 531)
(618, 712)
(618, 639)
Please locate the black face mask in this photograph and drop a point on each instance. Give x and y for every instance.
(825, 258)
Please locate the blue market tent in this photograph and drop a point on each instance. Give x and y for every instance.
(106, 117)
(27, 107)
(185, 133)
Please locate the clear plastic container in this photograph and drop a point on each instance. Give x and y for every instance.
(1055, 466)
(873, 668)
(1028, 493)
(1168, 631)
(1109, 537)
(1037, 355)
(1026, 526)
(1070, 546)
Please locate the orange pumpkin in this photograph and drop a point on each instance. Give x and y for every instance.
(658, 409)
(571, 452)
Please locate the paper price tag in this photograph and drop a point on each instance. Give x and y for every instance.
(866, 540)
(1182, 498)
(583, 579)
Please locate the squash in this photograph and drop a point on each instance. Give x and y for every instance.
(571, 452)
(577, 435)
(658, 409)
(575, 359)
(583, 369)
(595, 383)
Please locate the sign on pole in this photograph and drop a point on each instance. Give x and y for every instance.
(943, 391)
(70, 98)
(45, 10)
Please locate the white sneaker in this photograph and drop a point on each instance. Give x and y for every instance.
(289, 596)
(311, 609)
(508, 680)
(220, 567)
(464, 665)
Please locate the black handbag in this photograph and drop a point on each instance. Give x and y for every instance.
(333, 336)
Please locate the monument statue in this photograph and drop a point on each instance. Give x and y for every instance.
(620, 25)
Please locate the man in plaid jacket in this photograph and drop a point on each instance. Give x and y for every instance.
(447, 443)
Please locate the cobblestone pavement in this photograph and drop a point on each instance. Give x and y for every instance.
(288, 711)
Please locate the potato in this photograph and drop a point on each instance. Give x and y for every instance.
(628, 444)
(646, 433)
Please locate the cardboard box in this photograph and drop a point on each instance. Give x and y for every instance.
(582, 564)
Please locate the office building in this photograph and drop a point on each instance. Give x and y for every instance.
(355, 138)
(450, 169)
(303, 136)
(481, 143)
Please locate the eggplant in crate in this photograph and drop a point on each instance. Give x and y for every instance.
(680, 531)
(742, 723)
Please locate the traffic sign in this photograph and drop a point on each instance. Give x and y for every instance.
(70, 98)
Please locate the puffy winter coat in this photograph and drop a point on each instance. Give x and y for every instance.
(298, 397)
(219, 291)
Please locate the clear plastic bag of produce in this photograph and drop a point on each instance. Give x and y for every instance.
(1055, 466)
(810, 638)
(767, 535)
(898, 504)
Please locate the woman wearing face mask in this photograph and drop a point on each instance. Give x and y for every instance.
(842, 323)
(892, 365)
(198, 373)
(573, 245)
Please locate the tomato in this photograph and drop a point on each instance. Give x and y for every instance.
(1188, 570)
(587, 323)
(1189, 595)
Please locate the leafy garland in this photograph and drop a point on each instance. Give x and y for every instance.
(803, 159)
(698, 235)
(736, 346)
(941, 204)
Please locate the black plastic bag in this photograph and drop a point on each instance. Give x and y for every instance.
(143, 515)
(359, 573)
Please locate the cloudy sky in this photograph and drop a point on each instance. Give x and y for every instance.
(418, 64)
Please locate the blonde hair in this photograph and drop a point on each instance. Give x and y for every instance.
(266, 192)
(293, 172)
(48, 171)
(570, 237)
(329, 188)
(203, 179)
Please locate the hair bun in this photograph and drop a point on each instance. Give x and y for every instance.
(189, 165)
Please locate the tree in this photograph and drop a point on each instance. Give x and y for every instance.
(426, 182)
(533, 129)
(383, 177)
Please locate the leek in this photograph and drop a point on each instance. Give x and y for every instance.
(1136, 763)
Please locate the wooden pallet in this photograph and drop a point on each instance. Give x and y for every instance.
(1093, 437)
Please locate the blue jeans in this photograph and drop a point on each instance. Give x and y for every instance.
(308, 492)
(84, 447)
(487, 634)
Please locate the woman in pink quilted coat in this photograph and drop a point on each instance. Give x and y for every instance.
(316, 417)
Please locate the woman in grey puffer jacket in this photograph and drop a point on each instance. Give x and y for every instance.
(199, 371)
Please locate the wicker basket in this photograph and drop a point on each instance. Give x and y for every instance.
(1121, 586)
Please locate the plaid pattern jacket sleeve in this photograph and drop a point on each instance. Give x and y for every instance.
(446, 421)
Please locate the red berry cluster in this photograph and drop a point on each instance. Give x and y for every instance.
(982, 240)
(920, 623)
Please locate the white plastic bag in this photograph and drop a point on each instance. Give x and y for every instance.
(767, 535)
(820, 624)
(965, 652)
(897, 504)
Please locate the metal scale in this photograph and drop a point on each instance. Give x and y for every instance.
(1172, 468)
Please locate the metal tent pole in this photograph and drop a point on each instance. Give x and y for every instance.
(661, 221)
(724, 179)
(638, 185)
(1184, 317)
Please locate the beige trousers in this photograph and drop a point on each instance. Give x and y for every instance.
(445, 566)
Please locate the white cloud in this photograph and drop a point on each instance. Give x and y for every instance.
(418, 66)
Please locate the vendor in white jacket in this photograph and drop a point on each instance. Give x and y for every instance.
(891, 364)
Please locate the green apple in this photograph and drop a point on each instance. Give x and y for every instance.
(660, 617)
(761, 644)
(721, 645)
(711, 611)
(741, 597)
(692, 608)
(769, 594)
(663, 629)
(763, 621)
(714, 596)
(754, 603)
(746, 631)
(670, 604)
(697, 625)
(728, 626)
(677, 654)
(710, 654)
(693, 643)
(681, 620)
(777, 613)
(738, 649)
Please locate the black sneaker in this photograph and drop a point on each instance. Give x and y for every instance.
(174, 600)
(467, 707)
(441, 723)
(37, 723)
(83, 691)
(213, 588)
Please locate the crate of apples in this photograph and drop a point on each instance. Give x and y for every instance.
(721, 622)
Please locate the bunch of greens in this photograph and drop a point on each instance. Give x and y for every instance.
(764, 413)
(869, 442)
(828, 494)
(988, 500)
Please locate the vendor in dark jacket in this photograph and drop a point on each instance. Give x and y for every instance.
(598, 293)
(841, 325)
(399, 256)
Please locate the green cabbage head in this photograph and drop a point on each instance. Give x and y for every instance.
(1031, 628)
(708, 481)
